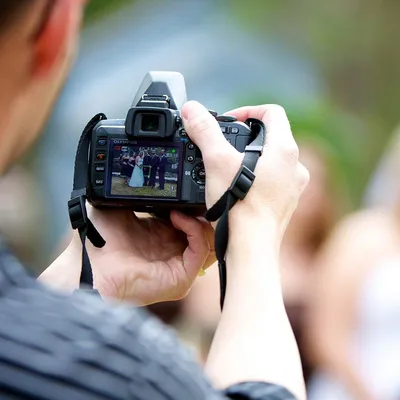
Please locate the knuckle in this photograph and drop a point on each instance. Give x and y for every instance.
(276, 120)
(274, 112)
(276, 109)
(303, 175)
(290, 152)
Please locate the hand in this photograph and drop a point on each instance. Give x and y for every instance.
(280, 178)
(145, 260)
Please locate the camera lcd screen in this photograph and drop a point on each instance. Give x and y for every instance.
(150, 122)
(145, 171)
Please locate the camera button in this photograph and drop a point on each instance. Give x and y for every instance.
(234, 130)
(100, 169)
(101, 156)
(190, 146)
(178, 121)
(102, 142)
(190, 159)
(226, 118)
(183, 132)
(201, 174)
(223, 129)
(99, 182)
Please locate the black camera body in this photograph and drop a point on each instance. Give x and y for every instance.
(147, 162)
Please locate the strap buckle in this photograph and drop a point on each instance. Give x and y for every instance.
(242, 183)
(77, 212)
(254, 149)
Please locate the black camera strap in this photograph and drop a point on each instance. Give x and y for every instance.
(77, 204)
(237, 191)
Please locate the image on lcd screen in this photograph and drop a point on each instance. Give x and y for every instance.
(145, 171)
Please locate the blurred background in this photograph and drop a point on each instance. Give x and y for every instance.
(334, 66)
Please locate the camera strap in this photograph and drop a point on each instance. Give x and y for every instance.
(238, 190)
(77, 204)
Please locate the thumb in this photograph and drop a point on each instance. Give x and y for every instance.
(198, 249)
(204, 130)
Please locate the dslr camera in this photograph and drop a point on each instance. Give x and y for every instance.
(147, 162)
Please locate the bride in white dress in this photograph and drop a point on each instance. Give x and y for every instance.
(137, 178)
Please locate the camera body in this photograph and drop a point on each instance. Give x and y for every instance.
(147, 162)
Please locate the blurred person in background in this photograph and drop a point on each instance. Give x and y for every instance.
(59, 344)
(319, 208)
(354, 324)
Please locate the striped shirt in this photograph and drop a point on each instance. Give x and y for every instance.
(55, 346)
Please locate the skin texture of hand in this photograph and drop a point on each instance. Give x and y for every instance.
(146, 260)
(280, 178)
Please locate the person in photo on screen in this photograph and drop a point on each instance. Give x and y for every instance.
(146, 168)
(137, 179)
(161, 169)
(154, 161)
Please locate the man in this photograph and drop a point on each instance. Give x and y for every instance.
(154, 162)
(162, 165)
(59, 345)
(146, 168)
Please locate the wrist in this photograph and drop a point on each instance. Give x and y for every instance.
(252, 259)
(252, 233)
(64, 273)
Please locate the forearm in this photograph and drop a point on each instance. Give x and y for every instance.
(64, 273)
(254, 340)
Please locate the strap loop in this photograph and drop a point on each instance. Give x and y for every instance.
(238, 190)
(242, 183)
(77, 205)
(77, 212)
(254, 149)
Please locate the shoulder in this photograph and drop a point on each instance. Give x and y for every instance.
(258, 391)
(125, 352)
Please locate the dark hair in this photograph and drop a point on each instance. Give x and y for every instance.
(10, 10)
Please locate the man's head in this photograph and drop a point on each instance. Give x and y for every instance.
(162, 153)
(37, 42)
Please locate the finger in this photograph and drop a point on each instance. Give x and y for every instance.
(198, 250)
(279, 133)
(204, 130)
(271, 114)
(210, 235)
(243, 113)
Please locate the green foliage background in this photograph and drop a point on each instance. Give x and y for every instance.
(97, 8)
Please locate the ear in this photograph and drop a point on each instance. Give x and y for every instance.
(60, 26)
